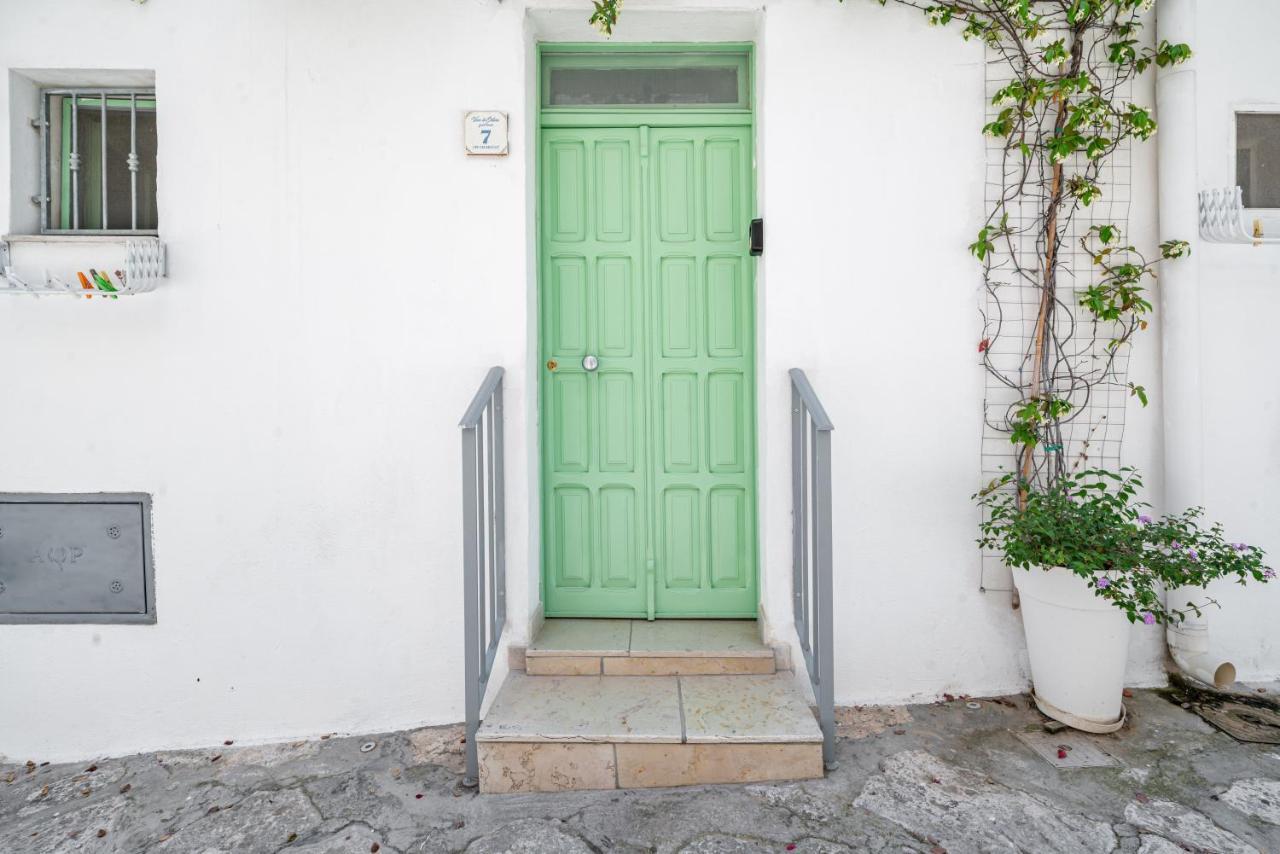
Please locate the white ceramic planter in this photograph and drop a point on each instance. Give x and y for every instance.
(1078, 644)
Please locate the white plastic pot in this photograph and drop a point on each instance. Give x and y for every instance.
(1078, 644)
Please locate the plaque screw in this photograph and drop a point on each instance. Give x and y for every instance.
(113, 532)
(1, 586)
(116, 586)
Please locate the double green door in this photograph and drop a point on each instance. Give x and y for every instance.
(648, 381)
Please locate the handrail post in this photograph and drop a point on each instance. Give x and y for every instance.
(471, 597)
(499, 520)
(799, 522)
(822, 565)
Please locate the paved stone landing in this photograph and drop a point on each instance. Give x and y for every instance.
(648, 648)
(557, 733)
(938, 778)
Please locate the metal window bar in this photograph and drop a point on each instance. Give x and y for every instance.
(75, 159)
(75, 162)
(811, 549)
(483, 551)
(133, 160)
(102, 135)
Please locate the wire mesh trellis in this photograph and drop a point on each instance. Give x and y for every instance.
(1080, 366)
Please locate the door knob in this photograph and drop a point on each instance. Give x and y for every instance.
(590, 363)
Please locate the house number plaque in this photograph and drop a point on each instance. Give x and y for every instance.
(484, 132)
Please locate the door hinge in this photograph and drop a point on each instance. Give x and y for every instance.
(757, 236)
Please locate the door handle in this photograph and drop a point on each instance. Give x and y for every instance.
(590, 363)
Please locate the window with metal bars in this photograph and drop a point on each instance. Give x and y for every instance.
(98, 148)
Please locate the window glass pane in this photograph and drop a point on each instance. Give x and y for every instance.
(1258, 159)
(578, 87)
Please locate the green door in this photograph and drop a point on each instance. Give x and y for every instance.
(648, 446)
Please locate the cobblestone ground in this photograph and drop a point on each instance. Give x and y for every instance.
(936, 778)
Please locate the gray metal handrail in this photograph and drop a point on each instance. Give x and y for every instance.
(484, 568)
(811, 548)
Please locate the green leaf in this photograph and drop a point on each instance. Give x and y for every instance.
(605, 16)
(982, 247)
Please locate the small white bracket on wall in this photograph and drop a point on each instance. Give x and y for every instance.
(1222, 219)
(143, 268)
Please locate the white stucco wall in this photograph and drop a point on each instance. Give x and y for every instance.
(341, 278)
(869, 287)
(1240, 299)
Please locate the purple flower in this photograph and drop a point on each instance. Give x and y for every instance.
(1103, 583)
(1193, 554)
(1240, 547)
(1144, 519)
(1176, 545)
(1148, 618)
(1269, 573)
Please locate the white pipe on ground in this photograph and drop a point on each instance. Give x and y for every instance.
(1189, 645)
(1180, 305)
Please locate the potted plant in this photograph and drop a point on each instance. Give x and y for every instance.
(1093, 562)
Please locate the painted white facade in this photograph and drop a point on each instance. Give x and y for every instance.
(342, 275)
(1239, 293)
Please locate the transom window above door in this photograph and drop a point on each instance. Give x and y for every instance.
(646, 79)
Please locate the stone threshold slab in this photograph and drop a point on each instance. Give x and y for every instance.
(742, 709)
(565, 638)
(746, 709)
(598, 709)
(636, 665)
(709, 665)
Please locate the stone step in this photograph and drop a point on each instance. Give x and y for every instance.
(648, 648)
(556, 733)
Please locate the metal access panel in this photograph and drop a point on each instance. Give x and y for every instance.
(76, 558)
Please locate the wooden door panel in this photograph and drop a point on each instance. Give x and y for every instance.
(595, 522)
(703, 392)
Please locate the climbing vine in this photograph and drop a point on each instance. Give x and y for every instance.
(1060, 117)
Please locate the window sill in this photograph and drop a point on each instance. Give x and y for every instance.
(77, 238)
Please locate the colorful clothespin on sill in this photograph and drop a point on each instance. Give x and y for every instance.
(84, 283)
(103, 282)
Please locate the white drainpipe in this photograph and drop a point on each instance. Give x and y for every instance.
(1180, 304)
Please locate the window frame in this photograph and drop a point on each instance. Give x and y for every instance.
(137, 98)
(1237, 111)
